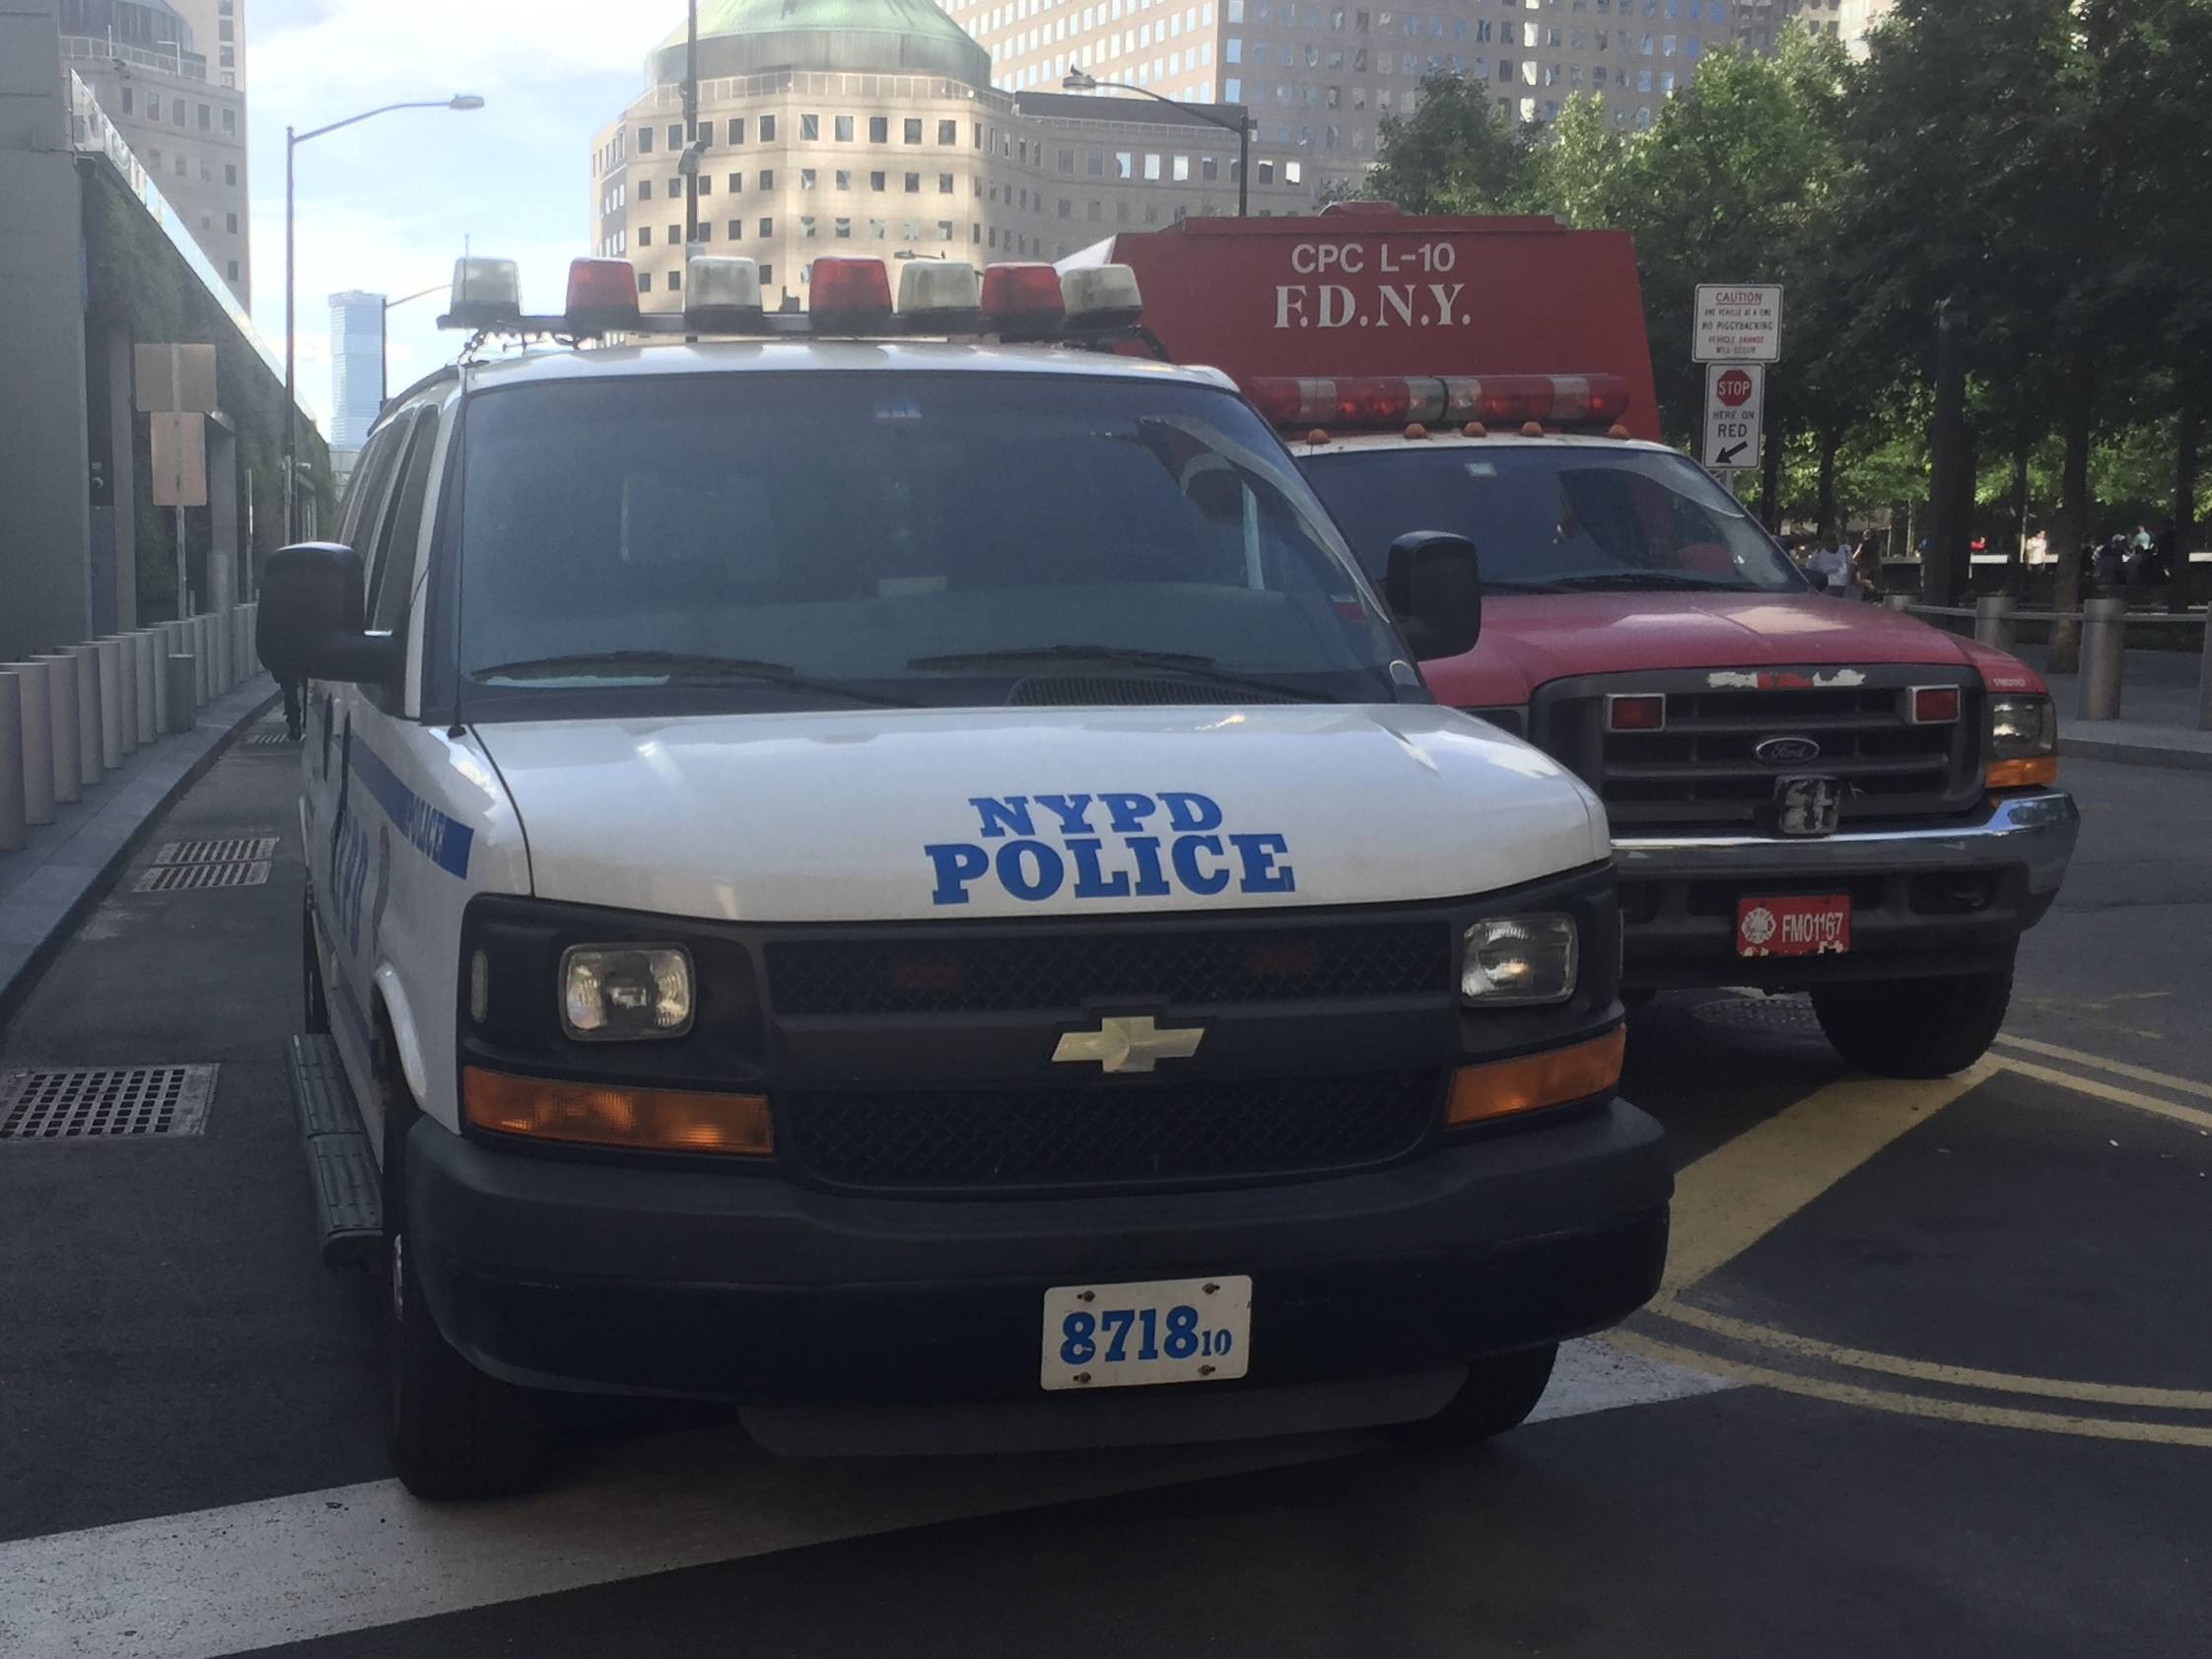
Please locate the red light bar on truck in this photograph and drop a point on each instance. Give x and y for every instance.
(1022, 301)
(851, 296)
(602, 296)
(1448, 400)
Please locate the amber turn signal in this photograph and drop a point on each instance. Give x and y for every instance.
(1535, 1081)
(2020, 774)
(609, 1114)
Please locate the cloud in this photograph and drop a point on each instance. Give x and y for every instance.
(389, 205)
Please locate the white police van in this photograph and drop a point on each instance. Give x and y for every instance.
(908, 884)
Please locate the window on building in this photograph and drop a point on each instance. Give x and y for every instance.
(949, 132)
(945, 183)
(645, 190)
(841, 229)
(676, 138)
(914, 183)
(675, 234)
(768, 228)
(879, 129)
(768, 130)
(767, 276)
(644, 236)
(841, 127)
(231, 122)
(737, 229)
(705, 231)
(911, 130)
(876, 180)
(737, 129)
(675, 280)
(807, 178)
(644, 282)
(644, 141)
(841, 179)
(767, 179)
(707, 133)
(127, 94)
(705, 183)
(231, 223)
(1151, 166)
(806, 225)
(176, 111)
(233, 270)
(1182, 170)
(735, 183)
(809, 129)
(944, 229)
(876, 229)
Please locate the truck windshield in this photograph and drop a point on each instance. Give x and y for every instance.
(841, 538)
(1563, 517)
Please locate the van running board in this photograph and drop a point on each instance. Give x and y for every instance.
(347, 1184)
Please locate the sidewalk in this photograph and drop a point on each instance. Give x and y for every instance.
(2158, 706)
(48, 887)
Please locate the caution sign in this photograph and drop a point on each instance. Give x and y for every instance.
(1737, 323)
(1735, 406)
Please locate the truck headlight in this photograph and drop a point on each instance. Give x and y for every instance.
(2023, 742)
(1519, 959)
(623, 993)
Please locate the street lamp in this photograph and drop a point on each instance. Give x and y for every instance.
(1082, 80)
(383, 337)
(292, 142)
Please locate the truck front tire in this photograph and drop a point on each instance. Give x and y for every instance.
(1915, 1027)
(455, 1433)
(1498, 1394)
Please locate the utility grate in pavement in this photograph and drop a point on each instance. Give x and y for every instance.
(233, 850)
(1769, 1016)
(183, 878)
(279, 738)
(107, 1102)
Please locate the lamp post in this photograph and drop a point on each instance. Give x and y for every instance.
(384, 339)
(1082, 80)
(292, 142)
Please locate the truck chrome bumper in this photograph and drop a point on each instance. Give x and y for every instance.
(2031, 832)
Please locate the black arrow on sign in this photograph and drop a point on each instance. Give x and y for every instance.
(1731, 453)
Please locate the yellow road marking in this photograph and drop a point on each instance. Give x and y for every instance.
(1918, 1405)
(1737, 1193)
(1953, 1376)
(2107, 1091)
(2119, 1067)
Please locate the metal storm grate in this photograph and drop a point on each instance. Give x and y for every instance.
(104, 1102)
(279, 738)
(182, 867)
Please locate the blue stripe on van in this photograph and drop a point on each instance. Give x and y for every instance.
(442, 840)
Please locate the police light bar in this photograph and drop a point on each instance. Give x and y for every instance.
(945, 293)
(1101, 297)
(721, 296)
(602, 296)
(1396, 401)
(487, 293)
(851, 296)
(1022, 301)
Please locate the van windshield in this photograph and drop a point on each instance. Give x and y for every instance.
(840, 538)
(1557, 518)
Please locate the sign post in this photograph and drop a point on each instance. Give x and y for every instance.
(1735, 411)
(1737, 323)
(177, 389)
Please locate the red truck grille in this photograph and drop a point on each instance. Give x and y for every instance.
(1703, 769)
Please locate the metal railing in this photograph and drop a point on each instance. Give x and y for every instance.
(69, 718)
(2104, 622)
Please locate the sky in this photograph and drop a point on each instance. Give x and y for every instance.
(388, 206)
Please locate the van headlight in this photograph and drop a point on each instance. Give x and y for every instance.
(625, 992)
(2023, 742)
(1519, 959)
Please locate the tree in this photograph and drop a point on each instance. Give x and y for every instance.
(1457, 153)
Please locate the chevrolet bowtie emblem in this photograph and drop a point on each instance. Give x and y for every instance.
(1130, 1045)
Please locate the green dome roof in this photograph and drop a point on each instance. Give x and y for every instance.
(747, 37)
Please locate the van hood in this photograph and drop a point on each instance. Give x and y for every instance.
(1529, 639)
(872, 816)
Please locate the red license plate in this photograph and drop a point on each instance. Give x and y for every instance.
(1797, 926)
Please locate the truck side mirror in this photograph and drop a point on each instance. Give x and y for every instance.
(310, 625)
(1433, 584)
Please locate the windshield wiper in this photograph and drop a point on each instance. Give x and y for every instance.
(682, 667)
(1166, 661)
(1656, 581)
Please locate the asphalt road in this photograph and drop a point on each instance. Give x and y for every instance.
(1932, 1373)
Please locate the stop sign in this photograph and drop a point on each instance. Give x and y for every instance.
(1734, 388)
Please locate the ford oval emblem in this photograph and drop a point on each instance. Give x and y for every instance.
(1787, 751)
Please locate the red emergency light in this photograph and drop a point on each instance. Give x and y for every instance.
(1023, 297)
(1505, 400)
(850, 295)
(602, 296)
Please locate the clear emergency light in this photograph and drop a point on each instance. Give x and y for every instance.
(1380, 400)
(850, 295)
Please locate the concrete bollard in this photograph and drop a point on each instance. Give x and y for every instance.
(144, 643)
(203, 655)
(218, 653)
(2103, 634)
(126, 710)
(1992, 620)
(160, 678)
(111, 702)
(35, 741)
(14, 833)
(61, 703)
(182, 671)
(91, 761)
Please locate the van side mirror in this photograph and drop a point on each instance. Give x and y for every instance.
(310, 625)
(1433, 585)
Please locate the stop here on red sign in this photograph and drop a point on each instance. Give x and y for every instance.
(1797, 926)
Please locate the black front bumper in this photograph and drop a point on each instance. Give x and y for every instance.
(610, 1278)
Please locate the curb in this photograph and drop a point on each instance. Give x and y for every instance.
(40, 913)
(2132, 751)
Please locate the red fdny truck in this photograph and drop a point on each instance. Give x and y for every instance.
(1805, 794)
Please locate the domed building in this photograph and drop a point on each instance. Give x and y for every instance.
(872, 127)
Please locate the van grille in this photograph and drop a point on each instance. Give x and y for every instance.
(939, 973)
(1110, 1133)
